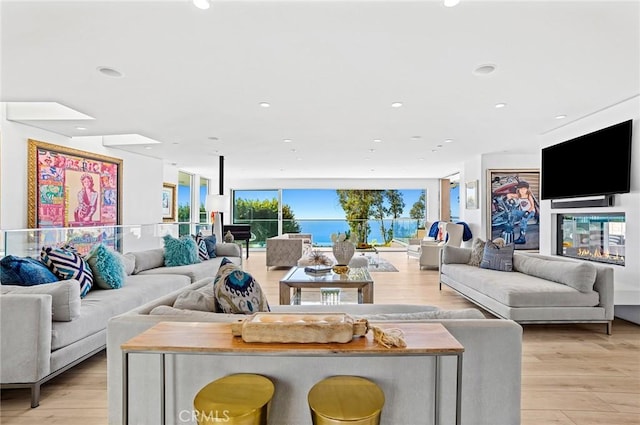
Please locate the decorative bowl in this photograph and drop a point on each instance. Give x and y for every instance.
(341, 269)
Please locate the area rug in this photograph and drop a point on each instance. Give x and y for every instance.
(382, 266)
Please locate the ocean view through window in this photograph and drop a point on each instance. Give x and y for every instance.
(396, 213)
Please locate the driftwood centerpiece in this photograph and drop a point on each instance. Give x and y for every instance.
(299, 327)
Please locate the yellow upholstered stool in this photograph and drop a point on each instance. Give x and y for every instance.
(240, 399)
(345, 400)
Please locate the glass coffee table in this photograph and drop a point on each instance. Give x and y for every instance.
(297, 279)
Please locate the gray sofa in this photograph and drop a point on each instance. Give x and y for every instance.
(491, 367)
(47, 329)
(541, 289)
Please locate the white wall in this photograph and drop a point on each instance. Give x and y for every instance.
(142, 176)
(627, 278)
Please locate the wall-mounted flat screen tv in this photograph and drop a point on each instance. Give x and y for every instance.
(597, 163)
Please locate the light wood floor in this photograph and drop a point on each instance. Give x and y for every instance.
(572, 375)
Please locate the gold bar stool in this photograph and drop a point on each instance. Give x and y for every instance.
(239, 399)
(341, 400)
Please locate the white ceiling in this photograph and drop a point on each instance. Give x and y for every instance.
(330, 70)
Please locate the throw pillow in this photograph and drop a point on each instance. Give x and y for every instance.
(25, 271)
(477, 251)
(65, 297)
(147, 259)
(67, 264)
(191, 299)
(236, 291)
(455, 255)
(203, 253)
(129, 261)
(497, 258)
(180, 252)
(106, 266)
(210, 242)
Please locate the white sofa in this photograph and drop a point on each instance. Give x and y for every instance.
(285, 250)
(541, 289)
(491, 368)
(47, 329)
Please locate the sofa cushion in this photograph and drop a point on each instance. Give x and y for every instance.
(455, 255)
(148, 259)
(65, 297)
(203, 253)
(68, 264)
(195, 272)
(192, 299)
(518, 289)
(99, 306)
(180, 252)
(578, 275)
(477, 252)
(497, 258)
(106, 266)
(24, 271)
(129, 261)
(236, 291)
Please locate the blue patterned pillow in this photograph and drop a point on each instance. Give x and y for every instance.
(236, 291)
(180, 252)
(106, 266)
(68, 264)
(24, 271)
(211, 242)
(203, 253)
(497, 258)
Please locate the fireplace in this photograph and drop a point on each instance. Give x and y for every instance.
(592, 237)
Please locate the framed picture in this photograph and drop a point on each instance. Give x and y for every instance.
(513, 207)
(72, 188)
(168, 202)
(471, 195)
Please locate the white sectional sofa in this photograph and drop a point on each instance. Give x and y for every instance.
(541, 289)
(47, 329)
(491, 367)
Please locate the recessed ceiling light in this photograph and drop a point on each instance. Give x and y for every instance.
(377, 140)
(438, 146)
(485, 69)
(372, 150)
(449, 141)
(174, 163)
(148, 148)
(299, 159)
(415, 138)
(175, 143)
(265, 104)
(500, 105)
(293, 150)
(420, 159)
(434, 150)
(372, 170)
(109, 72)
(287, 140)
(201, 4)
(396, 104)
(81, 128)
(451, 3)
(561, 117)
(214, 138)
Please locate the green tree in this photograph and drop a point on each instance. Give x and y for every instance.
(395, 210)
(358, 208)
(417, 211)
(263, 217)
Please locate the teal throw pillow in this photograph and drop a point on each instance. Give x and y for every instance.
(24, 271)
(180, 252)
(107, 267)
(497, 258)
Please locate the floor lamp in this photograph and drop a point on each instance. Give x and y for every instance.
(216, 205)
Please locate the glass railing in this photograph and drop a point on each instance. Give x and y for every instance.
(126, 238)
(321, 230)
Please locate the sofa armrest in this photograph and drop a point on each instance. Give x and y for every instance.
(25, 337)
(604, 286)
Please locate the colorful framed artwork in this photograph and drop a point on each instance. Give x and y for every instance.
(72, 188)
(168, 202)
(471, 195)
(513, 207)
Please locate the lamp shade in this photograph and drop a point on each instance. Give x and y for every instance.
(217, 203)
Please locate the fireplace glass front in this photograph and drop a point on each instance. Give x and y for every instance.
(592, 237)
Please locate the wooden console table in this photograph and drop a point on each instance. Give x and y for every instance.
(165, 338)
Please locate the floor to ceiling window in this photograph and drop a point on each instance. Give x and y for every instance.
(185, 200)
(203, 192)
(373, 216)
